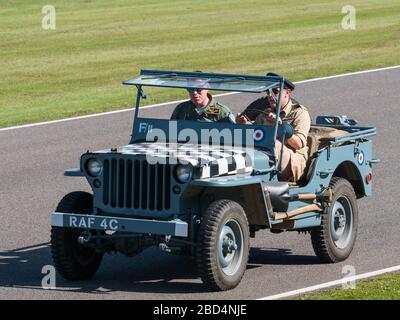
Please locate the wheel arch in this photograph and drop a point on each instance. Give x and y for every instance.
(249, 196)
(349, 171)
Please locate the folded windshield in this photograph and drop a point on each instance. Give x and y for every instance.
(200, 80)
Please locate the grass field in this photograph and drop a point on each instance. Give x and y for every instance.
(385, 287)
(78, 68)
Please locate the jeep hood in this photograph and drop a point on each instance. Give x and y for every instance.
(208, 161)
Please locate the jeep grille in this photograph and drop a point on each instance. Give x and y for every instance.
(136, 184)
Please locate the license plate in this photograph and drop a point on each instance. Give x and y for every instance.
(90, 222)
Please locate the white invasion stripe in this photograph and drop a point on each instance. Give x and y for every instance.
(204, 158)
(205, 171)
(179, 101)
(331, 283)
(240, 162)
(222, 166)
(222, 153)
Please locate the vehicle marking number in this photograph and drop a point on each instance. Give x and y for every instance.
(112, 224)
(90, 222)
(145, 127)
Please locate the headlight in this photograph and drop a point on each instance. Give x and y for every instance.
(94, 167)
(183, 173)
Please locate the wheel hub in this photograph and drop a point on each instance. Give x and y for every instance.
(230, 251)
(341, 222)
(229, 245)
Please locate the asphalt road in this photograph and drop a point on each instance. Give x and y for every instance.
(32, 182)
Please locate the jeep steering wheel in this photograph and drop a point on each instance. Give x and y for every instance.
(287, 129)
(257, 111)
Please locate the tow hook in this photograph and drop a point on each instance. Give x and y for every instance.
(84, 238)
(164, 247)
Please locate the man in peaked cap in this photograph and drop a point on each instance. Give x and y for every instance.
(295, 152)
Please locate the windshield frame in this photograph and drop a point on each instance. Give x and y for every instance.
(271, 82)
(202, 80)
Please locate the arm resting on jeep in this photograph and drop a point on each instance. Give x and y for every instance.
(295, 142)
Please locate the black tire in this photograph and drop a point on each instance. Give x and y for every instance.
(327, 244)
(220, 217)
(72, 260)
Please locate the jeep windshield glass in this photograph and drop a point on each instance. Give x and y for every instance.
(200, 80)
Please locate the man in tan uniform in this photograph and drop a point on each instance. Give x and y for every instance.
(295, 153)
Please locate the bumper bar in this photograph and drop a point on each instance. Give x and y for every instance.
(176, 228)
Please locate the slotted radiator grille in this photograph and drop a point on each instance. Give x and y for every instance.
(136, 184)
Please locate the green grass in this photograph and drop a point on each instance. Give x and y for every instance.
(78, 68)
(385, 287)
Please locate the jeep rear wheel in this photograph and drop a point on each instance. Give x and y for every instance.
(223, 245)
(73, 260)
(334, 240)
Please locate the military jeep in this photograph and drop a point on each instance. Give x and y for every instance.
(203, 189)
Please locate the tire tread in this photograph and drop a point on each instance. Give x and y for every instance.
(207, 235)
(320, 237)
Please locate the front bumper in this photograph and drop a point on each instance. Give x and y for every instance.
(176, 228)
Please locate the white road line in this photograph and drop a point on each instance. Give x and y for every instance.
(178, 101)
(348, 74)
(331, 284)
(46, 245)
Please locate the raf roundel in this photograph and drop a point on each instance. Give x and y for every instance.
(258, 135)
(360, 158)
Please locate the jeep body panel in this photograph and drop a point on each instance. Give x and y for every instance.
(352, 161)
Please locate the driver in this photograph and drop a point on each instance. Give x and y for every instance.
(295, 153)
(202, 107)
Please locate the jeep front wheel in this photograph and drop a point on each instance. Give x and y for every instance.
(334, 240)
(73, 260)
(223, 245)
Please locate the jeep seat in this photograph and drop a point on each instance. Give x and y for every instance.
(318, 138)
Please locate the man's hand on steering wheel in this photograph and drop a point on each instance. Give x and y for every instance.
(242, 119)
(269, 116)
